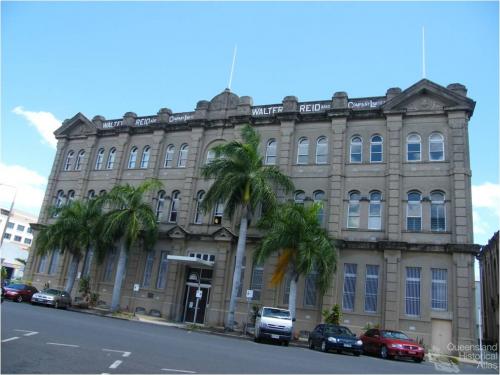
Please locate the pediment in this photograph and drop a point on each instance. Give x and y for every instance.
(178, 232)
(78, 125)
(223, 234)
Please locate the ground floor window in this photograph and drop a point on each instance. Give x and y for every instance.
(257, 281)
(413, 291)
(439, 289)
(349, 286)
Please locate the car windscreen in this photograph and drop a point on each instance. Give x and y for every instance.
(16, 286)
(52, 291)
(276, 313)
(395, 335)
(338, 330)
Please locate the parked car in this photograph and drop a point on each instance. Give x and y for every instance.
(334, 337)
(2, 293)
(275, 324)
(52, 297)
(19, 292)
(388, 344)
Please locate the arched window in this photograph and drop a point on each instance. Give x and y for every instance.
(414, 212)
(183, 156)
(169, 156)
(69, 160)
(436, 147)
(438, 213)
(271, 152)
(319, 196)
(299, 197)
(111, 159)
(303, 151)
(79, 160)
(376, 149)
(132, 158)
(160, 204)
(356, 149)
(99, 159)
(353, 210)
(59, 199)
(174, 206)
(210, 156)
(413, 148)
(198, 215)
(71, 196)
(375, 211)
(145, 157)
(322, 150)
(91, 194)
(102, 192)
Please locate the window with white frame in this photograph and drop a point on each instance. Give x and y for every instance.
(257, 281)
(42, 264)
(303, 151)
(374, 211)
(210, 156)
(242, 277)
(79, 160)
(99, 159)
(87, 262)
(20, 228)
(71, 196)
(148, 270)
(10, 225)
(198, 215)
(132, 158)
(413, 147)
(69, 160)
(17, 238)
(183, 156)
(145, 157)
(412, 297)
(174, 206)
(286, 288)
(414, 212)
(299, 197)
(376, 149)
(59, 199)
(353, 210)
(371, 288)
(111, 158)
(27, 241)
(218, 212)
(439, 289)
(310, 292)
(322, 150)
(91, 194)
(7, 236)
(160, 204)
(356, 149)
(161, 281)
(169, 156)
(30, 230)
(349, 291)
(438, 212)
(54, 261)
(319, 196)
(271, 152)
(436, 147)
(110, 264)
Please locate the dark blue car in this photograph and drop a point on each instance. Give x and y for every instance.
(333, 337)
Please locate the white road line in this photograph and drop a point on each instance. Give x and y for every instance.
(183, 371)
(56, 343)
(12, 338)
(125, 354)
(115, 364)
(30, 333)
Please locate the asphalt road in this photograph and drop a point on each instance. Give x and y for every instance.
(37, 339)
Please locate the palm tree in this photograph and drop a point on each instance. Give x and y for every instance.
(130, 222)
(74, 231)
(242, 182)
(303, 246)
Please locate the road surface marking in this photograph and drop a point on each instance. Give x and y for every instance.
(30, 333)
(56, 343)
(125, 354)
(183, 371)
(115, 364)
(12, 338)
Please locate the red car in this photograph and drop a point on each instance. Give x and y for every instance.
(389, 344)
(19, 292)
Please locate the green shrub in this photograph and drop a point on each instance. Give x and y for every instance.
(333, 316)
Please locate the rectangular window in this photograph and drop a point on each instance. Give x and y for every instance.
(412, 291)
(87, 262)
(7, 236)
(108, 270)
(30, 230)
(17, 238)
(20, 227)
(353, 214)
(10, 225)
(54, 261)
(349, 286)
(310, 289)
(27, 241)
(257, 281)
(439, 292)
(161, 282)
(286, 289)
(413, 150)
(41, 265)
(242, 277)
(438, 221)
(148, 270)
(414, 216)
(218, 213)
(374, 217)
(376, 152)
(371, 288)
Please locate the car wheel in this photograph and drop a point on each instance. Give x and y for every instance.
(323, 347)
(285, 343)
(357, 354)
(56, 305)
(19, 299)
(418, 360)
(311, 344)
(383, 352)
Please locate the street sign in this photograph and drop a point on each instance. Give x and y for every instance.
(249, 293)
(136, 287)
(199, 293)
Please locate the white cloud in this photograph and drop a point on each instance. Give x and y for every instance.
(487, 196)
(25, 186)
(44, 122)
(486, 210)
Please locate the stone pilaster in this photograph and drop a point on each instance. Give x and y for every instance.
(464, 330)
(391, 290)
(394, 152)
(288, 119)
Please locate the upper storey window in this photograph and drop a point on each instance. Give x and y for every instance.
(183, 156)
(299, 197)
(413, 147)
(132, 158)
(271, 152)
(303, 151)
(174, 206)
(353, 210)
(71, 196)
(376, 149)
(169, 156)
(198, 216)
(79, 160)
(59, 199)
(374, 214)
(210, 156)
(160, 204)
(99, 159)
(438, 213)
(111, 159)
(69, 160)
(414, 212)
(322, 150)
(319, 196)
(436, 147)
(145, 157)
(356, 149)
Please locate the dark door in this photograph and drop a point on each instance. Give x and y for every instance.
(191, 305)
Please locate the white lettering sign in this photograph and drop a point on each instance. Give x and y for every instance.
(249, 293)
(199, 293)
(182, 117)
(365, 104)
(267, 111)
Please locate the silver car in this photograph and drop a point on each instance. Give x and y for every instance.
(52, 297)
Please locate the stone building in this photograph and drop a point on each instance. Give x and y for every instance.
(393, 172)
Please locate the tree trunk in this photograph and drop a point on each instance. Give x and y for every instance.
(73, 269)
(292, 298)
(240, 252)
(120, 272)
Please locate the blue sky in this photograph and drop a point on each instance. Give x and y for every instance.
(109, 58)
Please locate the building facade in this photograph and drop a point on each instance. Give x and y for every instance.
(392, 171)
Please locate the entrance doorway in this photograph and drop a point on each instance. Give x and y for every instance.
(190, 304)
